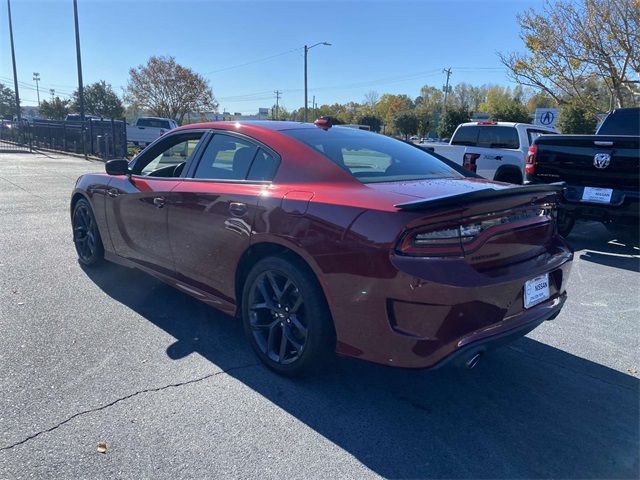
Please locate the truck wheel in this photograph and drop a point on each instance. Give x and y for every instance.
(565, 223)
(508, 175)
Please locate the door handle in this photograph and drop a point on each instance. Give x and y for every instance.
(159, 202)
(112, 192)
(237, 209)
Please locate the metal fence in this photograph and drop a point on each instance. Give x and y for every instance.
(101, 138)
(13, 138)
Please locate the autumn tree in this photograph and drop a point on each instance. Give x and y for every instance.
(374, 123)
(55, 109)
(167, 89)
(570, 43)
(389, 106)
(505, 105)
(99, 100)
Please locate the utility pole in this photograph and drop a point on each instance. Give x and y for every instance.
(278, 93)
(313, 105)
(446, 88)
(52, 91)
(13, 59)
(80, 88)
(36, 78)
(306, 50)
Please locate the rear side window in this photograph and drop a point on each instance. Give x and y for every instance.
(226, 158)
(621, 122)
(371, 157)
(466, 136)
(498, 137)
(263, 167)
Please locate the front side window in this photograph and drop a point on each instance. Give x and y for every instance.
(154, 123)
(371, 157)
(168, 157)
(533, 134)
(226, 158)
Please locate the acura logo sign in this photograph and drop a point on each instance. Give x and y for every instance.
(601, 160)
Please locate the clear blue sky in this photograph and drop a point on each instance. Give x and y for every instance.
(386, 46)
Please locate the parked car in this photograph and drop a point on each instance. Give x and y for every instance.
(75, 117)
(494, 150)
(601, 171)
(148, 129)
(325, 239)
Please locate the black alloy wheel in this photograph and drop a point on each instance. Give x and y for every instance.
(86, 236)
(285, 316)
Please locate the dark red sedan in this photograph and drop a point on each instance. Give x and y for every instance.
(327, 239)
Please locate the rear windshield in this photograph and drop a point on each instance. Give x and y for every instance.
(625, 122)
(489, 136)
(154, 123)
(371, 157)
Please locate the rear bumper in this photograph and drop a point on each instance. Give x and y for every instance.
(623, 209)
(431, 311)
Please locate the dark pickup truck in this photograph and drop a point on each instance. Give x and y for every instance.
(601, 172)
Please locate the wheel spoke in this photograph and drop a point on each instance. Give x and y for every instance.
(283, 345)
(265, 296)
(293, 341)
(295, 321)
(271, 338)
(274, 285)
(297, 304)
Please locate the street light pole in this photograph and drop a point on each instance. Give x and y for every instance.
(13, 59)
(36, 78)
(80, 88)
(306, 96)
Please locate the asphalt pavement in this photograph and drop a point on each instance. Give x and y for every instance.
(169, 386)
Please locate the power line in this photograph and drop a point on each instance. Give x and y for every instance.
(253, 61)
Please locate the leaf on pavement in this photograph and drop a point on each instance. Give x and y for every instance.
(102, 447)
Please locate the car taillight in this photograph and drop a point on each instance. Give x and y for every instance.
(451, 240)
(469, 161)
(530, 164)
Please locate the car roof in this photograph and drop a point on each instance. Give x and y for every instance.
(263, 124)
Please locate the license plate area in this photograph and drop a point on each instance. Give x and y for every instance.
(536, 290)
(598, 195)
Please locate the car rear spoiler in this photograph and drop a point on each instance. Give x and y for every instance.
(479, 195)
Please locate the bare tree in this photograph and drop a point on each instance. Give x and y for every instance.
(572, 45)
(168, 89)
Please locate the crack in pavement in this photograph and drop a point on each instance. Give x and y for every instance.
(122, 399)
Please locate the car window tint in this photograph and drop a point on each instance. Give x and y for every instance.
(371, 157)
(263, 167)
(154, 123)
(621, 122)
(226, 158)
(498, 137)
(172, 152)
(466, 135)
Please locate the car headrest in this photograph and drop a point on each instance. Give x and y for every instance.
(241, 160)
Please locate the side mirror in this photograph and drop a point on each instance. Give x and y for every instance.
(117, 167)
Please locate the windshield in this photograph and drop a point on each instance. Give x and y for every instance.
(371, 157)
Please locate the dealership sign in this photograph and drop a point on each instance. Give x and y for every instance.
(546, 117)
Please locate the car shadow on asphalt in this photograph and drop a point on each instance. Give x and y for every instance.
(594, 243)
(528, 410)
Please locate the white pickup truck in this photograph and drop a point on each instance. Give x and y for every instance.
(494, 150)
(148, 129)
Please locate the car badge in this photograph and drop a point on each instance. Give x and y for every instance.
(601, 160)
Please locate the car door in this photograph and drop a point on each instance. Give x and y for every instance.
(211, 219)
(137, 204)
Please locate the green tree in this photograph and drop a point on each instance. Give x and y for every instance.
(405, 123)
(374, 122)
(55, 109)
(450, 120)
(505, 106)
(168, 89)
(576, 119)
(7, 102)
(388, 106)
(99, 100)
(569, 43)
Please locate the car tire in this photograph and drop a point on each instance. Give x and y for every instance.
(86, 236)
(286, 318)
(565, 223)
